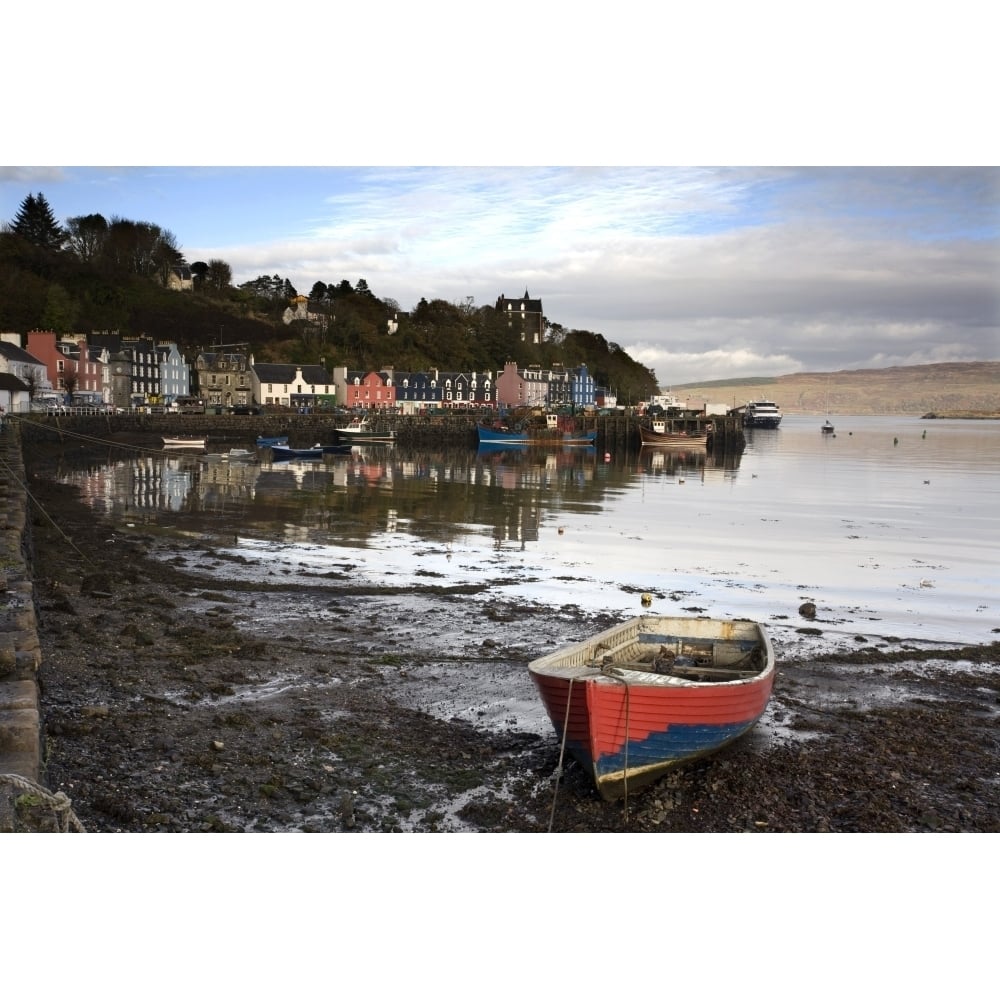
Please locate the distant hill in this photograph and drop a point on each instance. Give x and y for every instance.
(918, 389)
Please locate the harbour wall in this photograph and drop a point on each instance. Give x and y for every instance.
(20, 652)
(304, 429)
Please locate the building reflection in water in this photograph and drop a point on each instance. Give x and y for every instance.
(349, 499)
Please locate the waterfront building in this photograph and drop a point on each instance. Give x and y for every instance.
(223, 379)
(175, 373)
(295, 386)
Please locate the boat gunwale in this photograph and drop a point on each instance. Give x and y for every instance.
(587, 661)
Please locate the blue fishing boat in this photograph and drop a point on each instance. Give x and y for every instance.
(270, 442)
(282, 453)
(535, 436)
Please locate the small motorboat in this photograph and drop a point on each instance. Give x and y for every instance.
(270, 442)
(283, 452)
(654, 693)
(360, 430)
(658, 435)
(183, 442)
(827, 427)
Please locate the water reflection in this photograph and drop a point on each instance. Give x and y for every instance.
(344, 499)
(683, 463)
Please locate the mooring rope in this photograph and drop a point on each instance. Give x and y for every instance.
(58, 801)
(9, 471)
(562, 751)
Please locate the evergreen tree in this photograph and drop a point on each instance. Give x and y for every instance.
(36, 224)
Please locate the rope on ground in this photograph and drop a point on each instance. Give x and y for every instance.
(562, 751)
(9, 471)
(58, 801)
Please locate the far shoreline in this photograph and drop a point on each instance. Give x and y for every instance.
(962, 415)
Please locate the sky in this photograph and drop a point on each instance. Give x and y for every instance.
(699, 272)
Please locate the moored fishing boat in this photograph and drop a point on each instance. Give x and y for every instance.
(283, 452)
(827, 427)
(536, 436)
(270, 442)
(659, 435)
(653, 693)
(360, 430)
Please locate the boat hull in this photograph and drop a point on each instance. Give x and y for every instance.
(364, 437)
(359, 431)
(270, 442)
(169, 442)
(489, 436)
(628, 727)
(655, 439)
(764, 414)
(282, 452)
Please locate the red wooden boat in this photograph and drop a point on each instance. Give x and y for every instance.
(653, 693)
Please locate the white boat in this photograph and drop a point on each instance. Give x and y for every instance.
(239, 455)
(360, 429)
(762, 413)
(183, 442)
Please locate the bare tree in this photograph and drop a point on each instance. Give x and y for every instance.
(219, 276)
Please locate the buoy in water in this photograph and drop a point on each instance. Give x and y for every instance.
(607, 456)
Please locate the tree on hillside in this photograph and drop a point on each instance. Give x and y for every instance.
(274, 288)
(142, 248)
(218, 277)
(36, 224)
(86, 236)
(166, 254)
(60, 310)
(199, 272)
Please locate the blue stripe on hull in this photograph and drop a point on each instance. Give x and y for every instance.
(678, 743)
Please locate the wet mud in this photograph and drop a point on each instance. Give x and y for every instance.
(174, 700)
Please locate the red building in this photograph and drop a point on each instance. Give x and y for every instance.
(69, 361)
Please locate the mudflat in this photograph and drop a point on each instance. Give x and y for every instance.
(176, 702)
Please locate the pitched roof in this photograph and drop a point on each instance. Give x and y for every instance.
(14, 353)
(11, 383)
(311, 374)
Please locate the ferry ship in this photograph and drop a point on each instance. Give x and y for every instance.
(762, 413)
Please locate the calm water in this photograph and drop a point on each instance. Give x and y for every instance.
(890, 526)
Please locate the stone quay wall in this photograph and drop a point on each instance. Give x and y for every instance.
(20, 652)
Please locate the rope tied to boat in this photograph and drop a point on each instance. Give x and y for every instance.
(58, 802)
(562, 751)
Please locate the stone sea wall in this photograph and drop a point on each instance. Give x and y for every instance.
(20, 653)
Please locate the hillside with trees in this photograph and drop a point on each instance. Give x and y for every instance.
(93, 273)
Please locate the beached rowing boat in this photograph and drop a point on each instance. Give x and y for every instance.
(653, 693)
